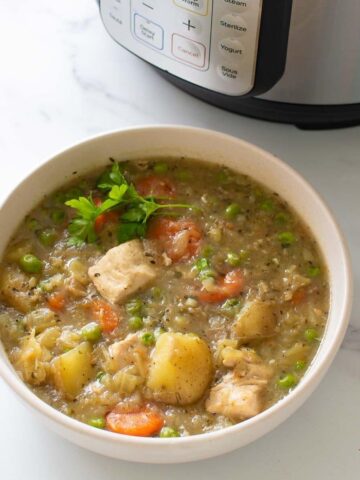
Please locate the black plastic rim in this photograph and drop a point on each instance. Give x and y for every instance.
(312, 117)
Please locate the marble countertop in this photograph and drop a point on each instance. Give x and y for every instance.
(63, 79)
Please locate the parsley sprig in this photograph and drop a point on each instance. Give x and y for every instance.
(136, 210)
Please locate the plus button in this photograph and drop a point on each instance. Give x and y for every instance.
(189, 25)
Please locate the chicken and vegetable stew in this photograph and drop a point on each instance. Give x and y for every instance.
(162, 298)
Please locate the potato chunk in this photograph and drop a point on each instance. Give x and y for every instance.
(16, 291)
(180, 369)
(122, 271)
(256, 320)
(72, 370)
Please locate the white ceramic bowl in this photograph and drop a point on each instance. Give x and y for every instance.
(245, 158)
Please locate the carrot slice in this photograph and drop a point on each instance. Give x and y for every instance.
(99, 223)
(229, 286)
(134, 421)
(104, 218)
(105, 314)
(180, 239)
(155, 186)
(57, 301)
(299, 296)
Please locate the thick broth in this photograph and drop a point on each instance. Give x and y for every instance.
(244, 228)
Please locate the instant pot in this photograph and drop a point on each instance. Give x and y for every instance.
(295, 61)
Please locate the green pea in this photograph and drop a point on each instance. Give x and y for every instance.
(30, 263)
(57, 216)
(48, 237)
(233, 259)
(267, 205)
(300, 365)
(313, 271)
(91, 332)
(311, 335)
(281, 218)
(32, 224)
(286, 238)
(232, 211)
(97, 422)
(287, 381)
(160, 167)
(168, 432)
(147, 339)
(134, 306)
(207, 273)
(202, 264)
(135, 323)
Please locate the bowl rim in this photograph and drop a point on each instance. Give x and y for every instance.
(311, 378)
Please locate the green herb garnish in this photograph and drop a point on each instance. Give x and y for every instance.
(136, 210)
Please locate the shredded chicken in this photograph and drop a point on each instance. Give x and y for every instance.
(31, 360)
(129, 351)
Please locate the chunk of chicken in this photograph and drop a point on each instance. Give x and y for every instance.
(122, 271)
(248, 366)
(129, 351)
(240, 394)
(16, 291)
(235, 400)
(256, 320)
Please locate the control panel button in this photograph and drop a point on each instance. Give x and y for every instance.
(116, 16)
(240, 5)
(148, 31)
(188, 51)
(232, 48)
(233, 23)
(116, 12)
(228, 72)
(189, 25)
(198, 6)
